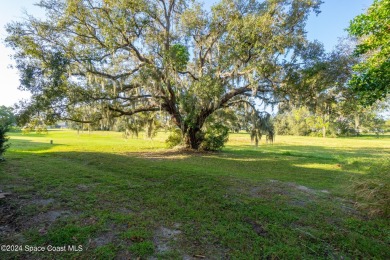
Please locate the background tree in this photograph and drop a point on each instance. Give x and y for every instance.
(324, 103)
(7, 116)
(372, 78)
(319, 85)
(294, 122)
(130, 57)
(347, 118)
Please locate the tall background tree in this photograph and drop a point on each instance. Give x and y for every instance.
(126, 57)
(324, 103)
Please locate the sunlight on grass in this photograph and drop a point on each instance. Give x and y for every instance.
(331, 167)
(252, 202)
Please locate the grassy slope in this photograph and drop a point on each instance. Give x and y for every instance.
(128, 198)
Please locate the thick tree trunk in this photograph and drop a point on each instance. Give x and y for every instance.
(193, 138)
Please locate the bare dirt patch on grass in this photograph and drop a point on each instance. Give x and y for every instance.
(257, 227)
(164, 237)
(8, 217)
(103, 239)
(297, 195)
(171, 240)
(21, 213)
(42, 202)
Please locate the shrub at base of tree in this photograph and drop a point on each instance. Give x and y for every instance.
(174, 139)
(215, 138)
(3, 140)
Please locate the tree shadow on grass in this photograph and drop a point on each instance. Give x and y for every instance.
(208, 197)
(314, 171)
(311, 164)
(26, 145)
(314, 152)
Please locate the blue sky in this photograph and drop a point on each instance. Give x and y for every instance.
(335, 16)
(327, 27)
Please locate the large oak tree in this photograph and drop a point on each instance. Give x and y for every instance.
(90, 60)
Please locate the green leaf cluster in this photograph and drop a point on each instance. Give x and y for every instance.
(372, 78)
(3, 140)
(215, 137)
(180, 56)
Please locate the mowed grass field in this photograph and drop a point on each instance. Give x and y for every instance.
(133, 198)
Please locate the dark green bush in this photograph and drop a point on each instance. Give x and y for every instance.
(174, 139)
(3, 139)
(215, 137)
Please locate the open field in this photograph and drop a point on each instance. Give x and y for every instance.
(123, 199)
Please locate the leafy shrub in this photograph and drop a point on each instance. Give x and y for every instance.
(215, 137)
(3, 140)
(174, 139)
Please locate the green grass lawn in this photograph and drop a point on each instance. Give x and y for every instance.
(128, 198)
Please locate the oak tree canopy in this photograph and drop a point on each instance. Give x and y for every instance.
(90, 60)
